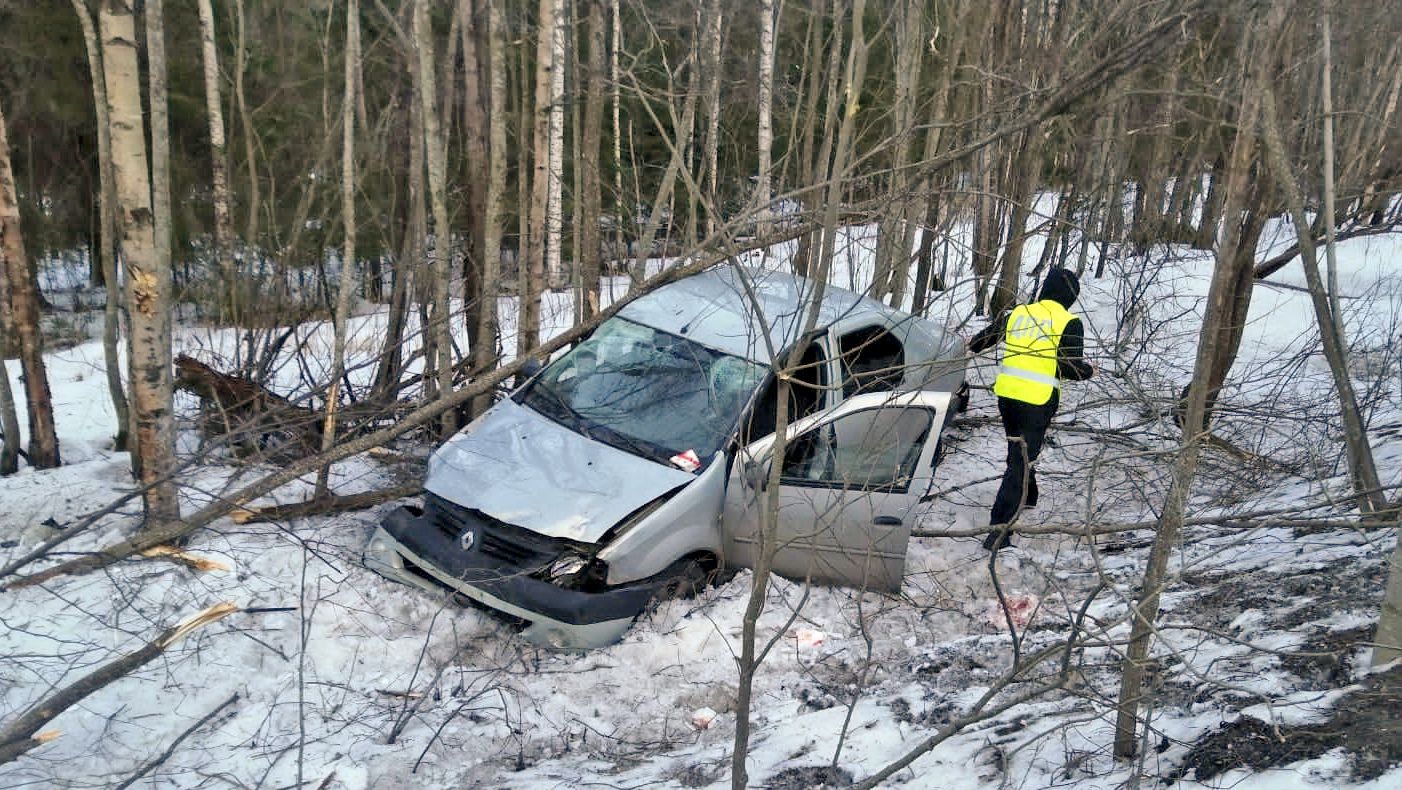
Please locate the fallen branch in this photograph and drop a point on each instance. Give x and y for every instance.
(182, 557)
(19, 736)
(165, 755)
(327, 504)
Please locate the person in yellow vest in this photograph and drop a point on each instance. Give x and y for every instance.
(1043, 345)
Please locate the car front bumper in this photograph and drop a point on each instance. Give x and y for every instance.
(408, 548)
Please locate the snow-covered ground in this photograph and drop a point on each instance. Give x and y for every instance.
(332, 677)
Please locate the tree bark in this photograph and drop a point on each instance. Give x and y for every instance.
(486, 349)
(1220, 296)
(477, 124)
(147, 267)
(555, 275)
(436, 155)
(23, 308)
(588, 247)
(1360, 456)
(230, 300)
(107, 232)
(348, 280)
(766, 115)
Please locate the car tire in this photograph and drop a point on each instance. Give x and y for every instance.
(685, 578)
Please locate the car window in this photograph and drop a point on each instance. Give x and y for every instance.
(866, 450)
(873, 360)
(809, 384)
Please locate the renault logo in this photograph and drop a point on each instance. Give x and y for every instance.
(468, 538)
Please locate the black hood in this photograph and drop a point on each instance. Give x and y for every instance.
(1061, 285)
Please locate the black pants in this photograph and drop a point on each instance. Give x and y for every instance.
(1026, 428)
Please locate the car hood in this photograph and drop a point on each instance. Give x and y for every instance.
(524, 469)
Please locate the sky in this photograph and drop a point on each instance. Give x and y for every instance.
(342, 679)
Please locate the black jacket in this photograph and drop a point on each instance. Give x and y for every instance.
(1062, 287)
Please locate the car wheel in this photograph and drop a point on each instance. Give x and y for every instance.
(685, 578)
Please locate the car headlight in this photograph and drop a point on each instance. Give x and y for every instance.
(572, 569)
(566, 568)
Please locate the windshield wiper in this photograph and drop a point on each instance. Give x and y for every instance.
(552, 404)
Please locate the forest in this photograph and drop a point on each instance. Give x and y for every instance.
(300, 235)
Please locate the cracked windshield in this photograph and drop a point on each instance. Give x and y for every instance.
(647, 392)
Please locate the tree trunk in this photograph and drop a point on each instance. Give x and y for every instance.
(1220, 296)
(23, 295)
(107, 231)
(898, 225)
(1360, 456)
(476, 129)
(588, 245)
(710, 157)
(346, 287)
(1146, 609)
(147, 265)
(9, 419)
(250, 145)
(230, 302)
(750, 655)
(441, 365)
(555, 275)
(766, 115)
(540, 178)
(485, 349)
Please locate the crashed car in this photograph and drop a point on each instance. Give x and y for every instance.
(633, 465)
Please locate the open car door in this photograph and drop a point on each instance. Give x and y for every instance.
(851, 481)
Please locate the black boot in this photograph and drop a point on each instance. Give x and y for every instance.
(998, 540)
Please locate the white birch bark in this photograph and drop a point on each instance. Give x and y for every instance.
(219, 159)
(763, 184)
(147, 269)
(555, 208)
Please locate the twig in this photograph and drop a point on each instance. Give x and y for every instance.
(19, 736)
(151, 765)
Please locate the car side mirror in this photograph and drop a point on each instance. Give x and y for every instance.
(531, 367)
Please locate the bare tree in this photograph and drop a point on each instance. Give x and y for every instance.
(22, 294)
(435, 153)
(763, 176)
(1361, 467)
(107, 230)
(347, 286)
(147, 267)
(588, 246)
(219, 162)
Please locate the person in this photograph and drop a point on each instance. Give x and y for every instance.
(1043, 345)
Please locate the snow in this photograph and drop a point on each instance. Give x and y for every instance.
(326, 659)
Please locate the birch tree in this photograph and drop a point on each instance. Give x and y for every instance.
(766, 114)
(107, 231)
(219, 165)
(147, 268)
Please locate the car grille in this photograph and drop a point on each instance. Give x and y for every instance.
(510, 545)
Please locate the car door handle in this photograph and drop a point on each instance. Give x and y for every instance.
(886, 521)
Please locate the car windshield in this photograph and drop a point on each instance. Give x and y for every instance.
(647, 392)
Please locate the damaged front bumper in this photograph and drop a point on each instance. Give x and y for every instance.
(410, 548)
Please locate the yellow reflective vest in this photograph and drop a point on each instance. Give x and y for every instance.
(1030, 343)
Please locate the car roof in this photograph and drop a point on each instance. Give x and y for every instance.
(714, 308)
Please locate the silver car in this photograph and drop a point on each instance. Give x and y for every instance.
(632, 465)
